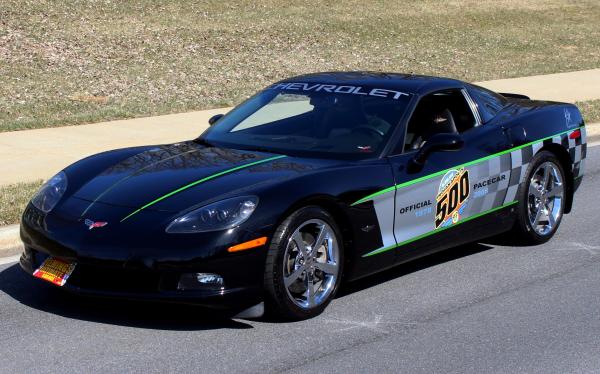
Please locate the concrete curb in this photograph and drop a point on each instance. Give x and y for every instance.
(10, 242)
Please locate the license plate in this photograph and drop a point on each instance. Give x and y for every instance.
(55, 271)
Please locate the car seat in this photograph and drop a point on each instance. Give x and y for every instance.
(441, 121)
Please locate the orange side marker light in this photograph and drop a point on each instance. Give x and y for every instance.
(248, 245)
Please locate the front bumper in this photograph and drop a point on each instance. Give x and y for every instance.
(148, 269)
(136, 284)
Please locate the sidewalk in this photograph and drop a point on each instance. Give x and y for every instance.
(38, 154)
(567, 87)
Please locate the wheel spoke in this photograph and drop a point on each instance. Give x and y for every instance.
(534, 191)
(319, 239)
(555, 191)
(297, 238)
(547, 170)
(551, 219)
(292, 277)
(326, 267)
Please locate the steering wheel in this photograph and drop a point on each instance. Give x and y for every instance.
(369, 130)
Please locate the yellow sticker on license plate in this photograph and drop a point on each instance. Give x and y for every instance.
(55, 271)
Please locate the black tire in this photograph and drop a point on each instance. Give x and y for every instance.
(277, 301)
(523, 228)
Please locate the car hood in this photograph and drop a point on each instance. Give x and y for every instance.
(177, 176)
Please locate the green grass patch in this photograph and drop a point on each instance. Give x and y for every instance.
(13, 199)
(590, 110)
(137, 58)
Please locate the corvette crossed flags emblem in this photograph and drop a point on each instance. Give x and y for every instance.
(91, 224)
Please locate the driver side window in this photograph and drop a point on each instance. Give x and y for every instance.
(444, 111)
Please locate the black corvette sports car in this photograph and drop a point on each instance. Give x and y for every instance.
(314, 180)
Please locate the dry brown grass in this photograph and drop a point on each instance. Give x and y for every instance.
(13, 199)
(153, 57)
(590, 110)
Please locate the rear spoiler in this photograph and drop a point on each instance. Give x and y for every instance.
(514, 96)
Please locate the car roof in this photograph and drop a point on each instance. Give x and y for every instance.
(410, 83)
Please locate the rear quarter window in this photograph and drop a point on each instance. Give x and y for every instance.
(488, 102)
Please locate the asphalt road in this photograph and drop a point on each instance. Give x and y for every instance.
(485, 307)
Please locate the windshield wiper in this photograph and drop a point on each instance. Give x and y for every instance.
(260, 149)
(206, 143)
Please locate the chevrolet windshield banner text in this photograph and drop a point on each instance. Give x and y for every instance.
(345, 89)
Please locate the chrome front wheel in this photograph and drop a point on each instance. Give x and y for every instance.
(304, 265)
(311, 263)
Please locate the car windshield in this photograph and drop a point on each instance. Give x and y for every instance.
(313, 120)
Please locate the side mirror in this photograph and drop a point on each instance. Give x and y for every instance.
(215, 118)
(438, 142)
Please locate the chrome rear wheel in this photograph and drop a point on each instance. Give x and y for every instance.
(542, 196)
(545, 198)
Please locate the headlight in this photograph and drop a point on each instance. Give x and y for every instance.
(50, 192)
(221, 215)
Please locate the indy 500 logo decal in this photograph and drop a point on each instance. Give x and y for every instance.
(452, 197)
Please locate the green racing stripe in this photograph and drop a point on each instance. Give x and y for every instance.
(388, 248)
(441, 172)
(195, 183)
(129, 177)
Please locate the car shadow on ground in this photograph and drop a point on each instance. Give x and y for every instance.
(168, 316)
(412, 267)
(506, 240)
(150, 315)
